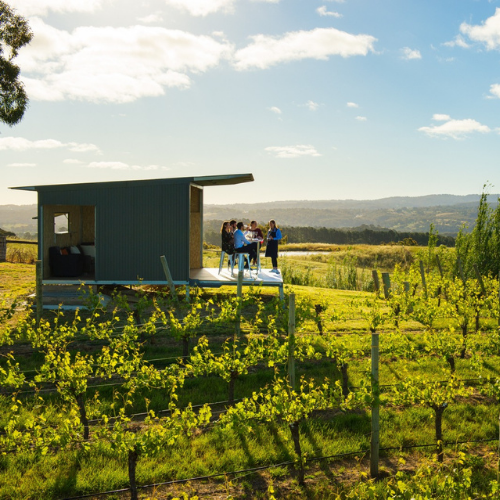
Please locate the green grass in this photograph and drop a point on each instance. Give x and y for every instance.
(73, 472)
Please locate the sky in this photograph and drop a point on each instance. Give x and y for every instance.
(318, 99)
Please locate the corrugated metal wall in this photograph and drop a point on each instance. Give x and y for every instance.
(135, 225)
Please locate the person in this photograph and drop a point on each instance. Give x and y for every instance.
(242, 245)
(255, 231)
(273, 237)
(232, 225)
(255, 234)
(227, 238)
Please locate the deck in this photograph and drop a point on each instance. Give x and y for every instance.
(209, 277)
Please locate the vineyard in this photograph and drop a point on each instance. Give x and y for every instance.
(329, 394)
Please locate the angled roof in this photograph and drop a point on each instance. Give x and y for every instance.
(209, 180)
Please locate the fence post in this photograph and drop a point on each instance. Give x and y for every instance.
(376, 282)
(39, 292)
(168, 275)
(375, 439)
(422, 274)
(3, 248)
(291, 341)
(386, 279)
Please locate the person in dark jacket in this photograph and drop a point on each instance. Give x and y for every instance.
(273, 237)
(227, 238)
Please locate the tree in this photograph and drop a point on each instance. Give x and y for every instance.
(14, 34)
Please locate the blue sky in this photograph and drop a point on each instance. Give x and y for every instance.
(319, 99)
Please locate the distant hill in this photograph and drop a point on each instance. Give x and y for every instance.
(400, 213)
(18, 218)
(447, 212)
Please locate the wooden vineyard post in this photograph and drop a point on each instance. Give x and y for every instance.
(422, 274)
(291, 341)
(386, 279)
(39, 292)
(3, 248)
(375, 439)
(438, 260)
(376, 282)
(168, 275)
(239, 293)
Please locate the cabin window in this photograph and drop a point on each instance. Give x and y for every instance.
(61, 223)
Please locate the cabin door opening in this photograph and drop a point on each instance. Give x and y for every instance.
(196, 228)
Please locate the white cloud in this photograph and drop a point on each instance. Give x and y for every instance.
(275, 109)
(22, 144)
(352, 105)
(495, 91)
(267, 1)
(409, 54)
(202, 7)
(320, 43)
(322, 11)
(488, 32)
(456, 129)
(43, 7)
(441, 118)
(458, 41)
(361, 118)
(118, 165)
(292, 151)
(313, 106)
(113, 64)
(72, 161)
(151, 19)
(21, 165)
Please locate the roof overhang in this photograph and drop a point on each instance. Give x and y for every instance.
(212, 180)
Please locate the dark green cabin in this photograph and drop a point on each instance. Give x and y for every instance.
(126, 226)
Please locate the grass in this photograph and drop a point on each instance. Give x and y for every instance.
(73, 472)
(22, 253)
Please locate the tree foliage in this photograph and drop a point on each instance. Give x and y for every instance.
(481, 247)
(14, 34)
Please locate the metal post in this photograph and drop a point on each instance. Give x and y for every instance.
(291, 341)
(422, 273)
(375, 440)
(386, 279)
(39, 291)
(239, 293)
(258, 258)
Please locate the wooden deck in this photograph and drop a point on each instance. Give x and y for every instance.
(210, 278)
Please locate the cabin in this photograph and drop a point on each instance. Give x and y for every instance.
(113, 233)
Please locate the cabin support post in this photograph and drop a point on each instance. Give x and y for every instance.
(39, 292)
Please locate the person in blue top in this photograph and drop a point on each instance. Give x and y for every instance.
(273, 237)
(242, 245)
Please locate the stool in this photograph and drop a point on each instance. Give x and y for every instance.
(230, 259)
(241, 262)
